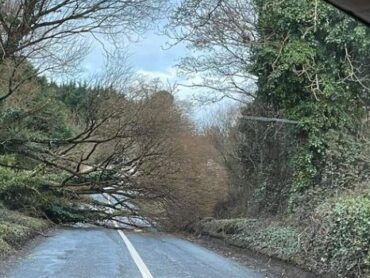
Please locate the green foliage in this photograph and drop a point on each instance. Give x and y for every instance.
(51, 121)
(308, 66)
(21, 190)
(11, 233)
(347, 161)
(311, 64)
(15, 229)
(76, 97)
(36, 195)
(341, 242)
(95, 177)
(277, 241)
(335, 240)
(62, 211)
(32, 116)
(262, 236)
(36, 122)
(32, 120)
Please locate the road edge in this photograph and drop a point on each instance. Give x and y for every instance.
(269, 266)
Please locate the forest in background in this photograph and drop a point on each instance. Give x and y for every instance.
(285, 174)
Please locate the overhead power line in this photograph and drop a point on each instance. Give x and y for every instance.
(265, 119)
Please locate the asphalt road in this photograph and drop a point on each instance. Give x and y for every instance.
(100, 253)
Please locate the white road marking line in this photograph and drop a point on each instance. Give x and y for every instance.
(136, 257)
(145, 273)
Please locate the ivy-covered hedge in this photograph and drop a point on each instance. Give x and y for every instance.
(341, 240)
(335, 239)
(269, 238)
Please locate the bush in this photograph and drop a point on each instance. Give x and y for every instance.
(342, 242)
(281, 242)
(334, 239)
(268, 238)
(272, 240)
(19, 190)
(34, 195)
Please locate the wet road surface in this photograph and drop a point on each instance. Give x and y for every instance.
(103, 253)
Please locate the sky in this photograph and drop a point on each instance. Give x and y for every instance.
(148, 55)
(151, 56)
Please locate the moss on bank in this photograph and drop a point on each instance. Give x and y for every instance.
(16, 229)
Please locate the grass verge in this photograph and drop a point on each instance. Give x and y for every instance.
(16, 229)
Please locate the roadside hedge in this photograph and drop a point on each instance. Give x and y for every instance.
(341, 242)
(335, 239)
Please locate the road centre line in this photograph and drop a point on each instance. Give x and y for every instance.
(145, 273)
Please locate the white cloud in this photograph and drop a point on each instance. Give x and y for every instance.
(169, 75)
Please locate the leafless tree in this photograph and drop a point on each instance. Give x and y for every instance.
(222, 33)
(124, 151)
(52, 34)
